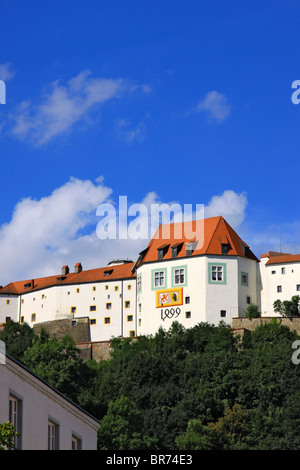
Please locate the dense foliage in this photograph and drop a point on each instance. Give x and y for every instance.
(185, 389)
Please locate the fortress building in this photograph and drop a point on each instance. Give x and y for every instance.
(210, 277)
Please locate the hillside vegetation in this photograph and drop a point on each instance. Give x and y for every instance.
(193, 389)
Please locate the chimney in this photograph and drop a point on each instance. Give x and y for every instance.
(78, 268)
(65, 270)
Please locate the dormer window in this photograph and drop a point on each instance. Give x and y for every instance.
(161, 251)
(190, 248)
(225, 248)
(176, 249)
(108, 272)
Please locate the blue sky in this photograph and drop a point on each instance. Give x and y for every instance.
(186, 101)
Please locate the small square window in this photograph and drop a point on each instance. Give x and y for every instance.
(187, 300)
(33, 317)
(188, 314)
(282, 270)
(43, 296)
(73, 309)
(77, 290)
(93, 321)
(248, 299)
(244, 279)
(279, 288)
(92, 308)
(108, 305)
(132, 333)
(7, 302)
(22, 319)
(106, 320)
(298, 287)
(106, 287)
(129, 317)
(94, 288)
(129, 287)
(223, 313)
(127, 303)
(116, 288)
(273, 272)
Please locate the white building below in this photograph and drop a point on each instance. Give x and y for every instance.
(44, 418)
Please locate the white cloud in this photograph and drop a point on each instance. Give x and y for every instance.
(65, 104)
(125, 132)
(230, 205)
(6, 71)
(215, 105)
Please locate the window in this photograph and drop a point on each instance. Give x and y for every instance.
(33, 317)
(77, 290)
(129, 287)
(216, 273)
(73, 309)
(7, 319)
(179, 275)
(116, 288)
(53, 431)
(140, 307)
(187, 300)
(106, 287)
(132, 333)
(282, 270)
(158, 279)
(225, 247)
(93, 321)
(279, 288)
(76, 443)
(298, 287)
(139, 284)
(7, 302)
(127, 303)
(43, 296)
(223, 313)
(22, 301)
(92, 308)
(15, 417)
(94, 288)
(248, 300)
(22, 319)
(244, 279)
(190, 247)
(106, 320)
(129, 317)
(74, 322)
(273, 272)
(108, 305)
(188, 314)
(140, 322)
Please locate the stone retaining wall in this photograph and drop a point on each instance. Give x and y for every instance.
(251, 324)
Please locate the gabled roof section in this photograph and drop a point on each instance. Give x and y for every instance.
(281, 258)
(117, 272)
(216, 232)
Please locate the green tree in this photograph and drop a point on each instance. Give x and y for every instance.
(121, 428)
(252, 311)
(7, 436)
(288, 308)
(59, 364)
(17, 339)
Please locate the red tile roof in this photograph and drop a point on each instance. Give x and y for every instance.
(283, 258)
(216, 231)
(121, 271)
